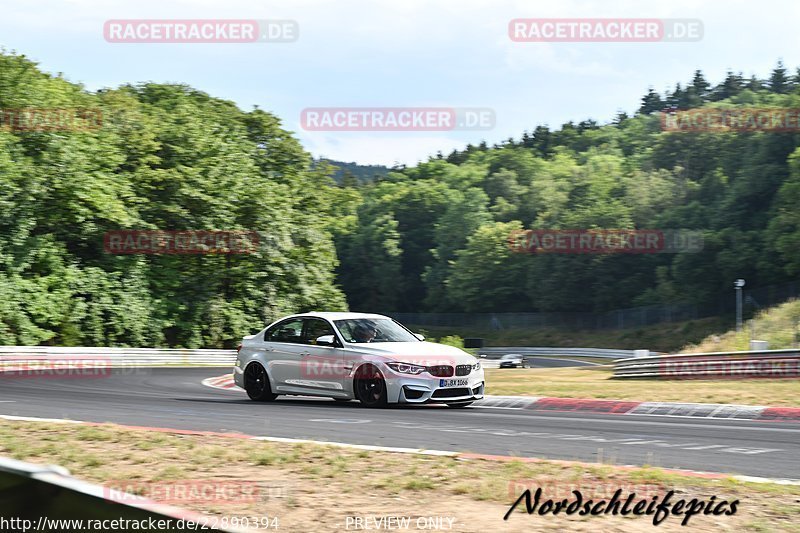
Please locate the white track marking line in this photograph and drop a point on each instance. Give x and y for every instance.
(36, 419)
(494, 407)
(418, 451)
(755, 479)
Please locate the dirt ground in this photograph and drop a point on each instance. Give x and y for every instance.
(319, 488)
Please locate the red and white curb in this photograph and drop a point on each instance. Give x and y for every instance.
(670, 409)
(221, 382)
(613, 407)
(390, 449)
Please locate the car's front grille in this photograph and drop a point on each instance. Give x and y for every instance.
(463, 370)
(451, 393)
(441, 371)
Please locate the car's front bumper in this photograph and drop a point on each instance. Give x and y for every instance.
(238, 375)
(428, 389)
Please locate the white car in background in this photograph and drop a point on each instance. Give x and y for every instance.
(512, 360)
(346, 356)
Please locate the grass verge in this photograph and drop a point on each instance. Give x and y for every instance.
(322, 486)
(596, 382)
(779, 326)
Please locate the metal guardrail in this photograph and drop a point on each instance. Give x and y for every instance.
(747, 364)
(601, 353)
(43, 495)
(11, 356)
(31, 357)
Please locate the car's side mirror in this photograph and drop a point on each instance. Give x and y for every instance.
(420, 336)
(482, 356)
(326, 340)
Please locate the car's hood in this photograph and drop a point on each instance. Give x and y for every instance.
(423, 353)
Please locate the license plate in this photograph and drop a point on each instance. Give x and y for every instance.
(452, 382)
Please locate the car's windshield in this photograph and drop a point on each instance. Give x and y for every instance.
(363, 330)
(511, 356)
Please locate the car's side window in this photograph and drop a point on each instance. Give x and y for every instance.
(287, 331)
(316, 328)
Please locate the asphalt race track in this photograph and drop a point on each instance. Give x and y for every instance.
(175, 398)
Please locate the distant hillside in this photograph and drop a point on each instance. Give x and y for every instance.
(363, 173)
(776, 325)
(436, 235)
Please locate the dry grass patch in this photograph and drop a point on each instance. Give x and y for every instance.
(320, 486)
(596, 382)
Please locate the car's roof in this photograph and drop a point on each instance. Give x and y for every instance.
(341, 315)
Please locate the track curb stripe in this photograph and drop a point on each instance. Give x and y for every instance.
(615, 407)
(781, 414)
(221, 382)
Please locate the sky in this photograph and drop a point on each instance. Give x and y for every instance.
(408, 54)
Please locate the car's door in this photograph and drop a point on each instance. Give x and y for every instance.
(323, 368)
(284, 348)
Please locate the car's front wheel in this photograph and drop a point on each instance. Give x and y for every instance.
(370, 387)
(256, 383)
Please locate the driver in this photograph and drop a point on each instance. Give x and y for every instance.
(364, 333)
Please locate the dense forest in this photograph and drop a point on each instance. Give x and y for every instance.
(353, 173)
(428, 238)
(433, 237)
(166, 157)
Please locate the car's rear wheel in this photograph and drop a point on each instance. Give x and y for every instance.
(256, 383)
(459, 405)
(370, 387)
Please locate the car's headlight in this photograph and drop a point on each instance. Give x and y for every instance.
(406, 368)
(476, 366)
